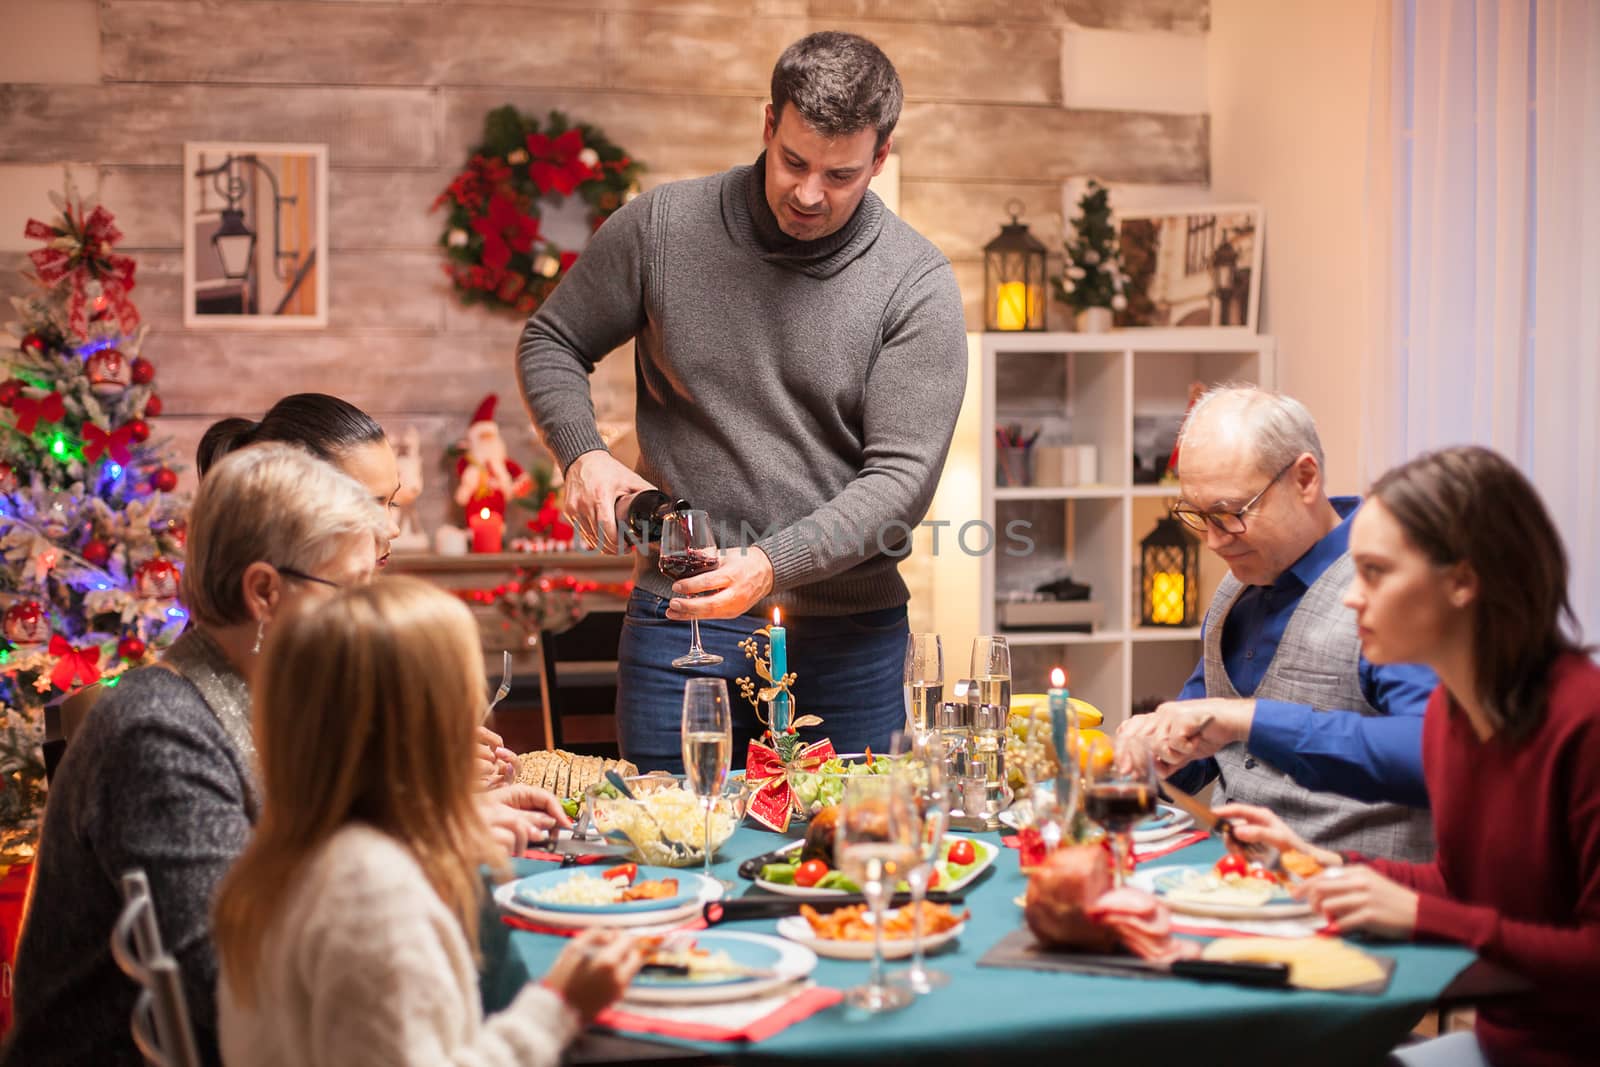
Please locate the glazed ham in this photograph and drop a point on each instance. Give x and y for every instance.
(1071, 904)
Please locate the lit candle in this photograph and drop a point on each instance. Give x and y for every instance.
(1166, 598)
(1011, 306)
(488, 530)
(779, 638)
(1060, 709)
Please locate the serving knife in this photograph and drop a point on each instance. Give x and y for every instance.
(1238, 972)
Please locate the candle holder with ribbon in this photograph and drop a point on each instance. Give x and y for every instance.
(780, 751)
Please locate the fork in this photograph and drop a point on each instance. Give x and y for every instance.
(505, 685)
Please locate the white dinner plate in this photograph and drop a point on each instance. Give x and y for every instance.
(1162, 880)
(1167, 822)
(796, 929)
(791, 962)
(705, 889)
(984, 852)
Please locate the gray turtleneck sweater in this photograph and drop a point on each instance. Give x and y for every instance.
(802, 393)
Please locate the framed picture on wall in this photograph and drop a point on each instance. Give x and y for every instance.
(255, 236)
(1193, 266)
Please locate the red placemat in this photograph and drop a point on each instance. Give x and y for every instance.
(796, 1008)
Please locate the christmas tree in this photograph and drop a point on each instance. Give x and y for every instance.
(90, 530)
(1093, 276)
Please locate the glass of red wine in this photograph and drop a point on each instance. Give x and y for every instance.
(688, 548)
(1119, 794)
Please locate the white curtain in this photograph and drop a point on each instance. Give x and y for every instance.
(1483, 201)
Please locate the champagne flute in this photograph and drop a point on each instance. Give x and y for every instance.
(924, 679)
(922, 766)
(688, 548)
(991, 669)
(1120, 793)
(875, 844)
(707, 747)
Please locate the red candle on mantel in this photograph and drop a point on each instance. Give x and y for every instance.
(488, 530)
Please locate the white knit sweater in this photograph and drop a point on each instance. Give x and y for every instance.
(366, 965)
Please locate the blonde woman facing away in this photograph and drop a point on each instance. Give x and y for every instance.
(348, 930)
(161, 775)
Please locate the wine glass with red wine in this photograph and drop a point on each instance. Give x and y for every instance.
(1119, 794)
(688, 548)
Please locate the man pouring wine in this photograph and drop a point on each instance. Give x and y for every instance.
(800, 358)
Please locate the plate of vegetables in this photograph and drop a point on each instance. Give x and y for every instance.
(806, 874)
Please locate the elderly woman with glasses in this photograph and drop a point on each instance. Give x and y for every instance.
(161, 774)
(1283, 710)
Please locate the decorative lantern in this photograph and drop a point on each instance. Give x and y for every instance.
(235, 244)
(156, 579)
(1013, 277)
(1169, 574)
(27, 623)
(109, 372)
(1224, 277)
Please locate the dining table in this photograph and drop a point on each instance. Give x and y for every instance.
(987, 1012)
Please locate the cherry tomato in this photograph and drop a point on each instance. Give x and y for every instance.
(1231, 864)
(933, 878)
(810, 873)
(630, 871)
(962, 853)
(1257, 871)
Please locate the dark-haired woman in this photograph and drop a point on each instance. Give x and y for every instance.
(1459, 566)
(329, 428)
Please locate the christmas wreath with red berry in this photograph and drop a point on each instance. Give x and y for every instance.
(497, 254)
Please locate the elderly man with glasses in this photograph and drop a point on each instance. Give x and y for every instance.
(1283, 710)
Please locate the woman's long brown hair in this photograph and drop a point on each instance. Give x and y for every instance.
(365, 714)
(1470, 505)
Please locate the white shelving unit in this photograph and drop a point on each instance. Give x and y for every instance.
(1087, 389)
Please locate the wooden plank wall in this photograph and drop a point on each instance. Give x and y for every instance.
(398, 92)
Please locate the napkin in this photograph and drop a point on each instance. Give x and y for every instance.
(556, 857)
(742, 1020)
(1151, 849)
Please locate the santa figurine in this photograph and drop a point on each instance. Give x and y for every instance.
(488, 480)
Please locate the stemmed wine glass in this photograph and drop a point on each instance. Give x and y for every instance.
(991, 669)
(688, 548)
(875, 845)
(923, 768)
(924, 680)
(707, 746)
(1120, 792)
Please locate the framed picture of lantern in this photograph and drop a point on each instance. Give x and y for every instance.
(1192, 267)
(255, 235)
(1169, 576)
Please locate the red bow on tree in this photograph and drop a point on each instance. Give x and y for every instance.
(96, 441)
(555, 164)
(506, 228)
(78, 249)
(73, 664)
(31, 412)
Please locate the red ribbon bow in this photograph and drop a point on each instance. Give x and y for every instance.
(96, 441)
(73, 664)
(766, 771)
(31, 412)
(91, 259)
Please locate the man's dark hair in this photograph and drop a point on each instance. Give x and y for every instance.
(839, 83)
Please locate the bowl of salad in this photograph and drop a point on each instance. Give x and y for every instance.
(663, 810)
(823, 787)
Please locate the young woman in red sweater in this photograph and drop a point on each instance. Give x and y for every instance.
(1459, 567)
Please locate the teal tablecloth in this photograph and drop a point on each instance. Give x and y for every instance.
(985, 1013)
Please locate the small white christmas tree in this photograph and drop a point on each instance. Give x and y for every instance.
(1092, 276)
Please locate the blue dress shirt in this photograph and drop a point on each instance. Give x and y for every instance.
(1371, 758)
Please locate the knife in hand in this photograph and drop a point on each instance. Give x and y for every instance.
(1207, 819)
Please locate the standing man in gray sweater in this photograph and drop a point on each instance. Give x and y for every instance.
(800, 361)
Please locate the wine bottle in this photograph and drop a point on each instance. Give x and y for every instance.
(641, 516)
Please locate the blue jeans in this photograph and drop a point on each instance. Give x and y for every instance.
(850, 672)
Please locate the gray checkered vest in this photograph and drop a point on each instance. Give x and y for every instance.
(1317, 663)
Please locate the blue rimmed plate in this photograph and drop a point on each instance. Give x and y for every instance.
(527, 892)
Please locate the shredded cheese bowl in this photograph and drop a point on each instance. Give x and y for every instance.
(664, 806)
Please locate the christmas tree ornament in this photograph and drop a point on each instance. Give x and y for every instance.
(75, 665)
(34, 345)
(144, 372)
(152, 407)
(27, 623)
(10, 389)
(164, 480)
(177, 528)
(78, 254)
(34, 406)
(156, 579)
(139, 430)
(97, 442)
(109, 372)
(131, 648)
(95, 551)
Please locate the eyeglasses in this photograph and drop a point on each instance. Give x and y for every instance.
(290, 572)
(1225, 520)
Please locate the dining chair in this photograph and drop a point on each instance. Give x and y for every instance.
(160, 1019)
(578, 684)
